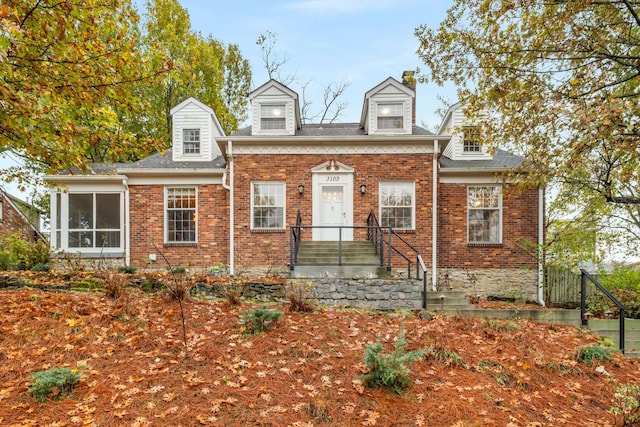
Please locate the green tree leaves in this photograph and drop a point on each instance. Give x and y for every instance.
(559, 88)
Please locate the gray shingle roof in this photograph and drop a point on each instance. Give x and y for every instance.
(501, 160)
(331, 129)
(160, 161)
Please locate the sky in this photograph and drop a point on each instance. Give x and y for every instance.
(360, 42)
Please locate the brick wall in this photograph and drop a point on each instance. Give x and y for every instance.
(519, 224)
(12, 222)
(272, 247)
(147, 228)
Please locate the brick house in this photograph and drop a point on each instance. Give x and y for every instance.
(18, 216)
(249, 199)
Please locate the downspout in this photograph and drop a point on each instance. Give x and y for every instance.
(541, 245)
(127, 249)
(434, 219)
(231, 206)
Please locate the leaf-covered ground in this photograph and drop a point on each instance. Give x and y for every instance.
(304, 372)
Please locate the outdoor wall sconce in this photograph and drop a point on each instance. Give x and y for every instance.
(300, 188)
(363, 188)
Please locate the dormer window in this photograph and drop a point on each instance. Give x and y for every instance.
(191, 141)
(390, 116)
(471, 142)
(272, 117)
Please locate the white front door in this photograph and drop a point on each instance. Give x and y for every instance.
(332, 201)
(332, 213)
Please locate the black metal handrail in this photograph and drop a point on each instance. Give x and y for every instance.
(377, 235)
(583, 302)
(294, 244)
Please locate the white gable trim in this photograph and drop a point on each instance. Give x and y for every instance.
(389, 91)
(193, 115)
(275, 93)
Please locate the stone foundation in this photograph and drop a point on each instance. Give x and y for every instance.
(510, 283)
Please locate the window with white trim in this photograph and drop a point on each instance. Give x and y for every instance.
(390, 115)
(267, 205)
(94, 220)
(484, 206)
(272, 116)
(191, 141)
(471, 143)
(181, 214)
(397, 205)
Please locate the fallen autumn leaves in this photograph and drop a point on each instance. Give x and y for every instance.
(305, 371)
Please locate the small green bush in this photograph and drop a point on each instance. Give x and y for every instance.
(259, 320)
(599, 352)
(57, 382)
(626, 404)
(390, 370)
(18, 254)
(127, 269)
(41, 267)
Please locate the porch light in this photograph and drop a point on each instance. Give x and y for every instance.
(300, 188)
(363, 188)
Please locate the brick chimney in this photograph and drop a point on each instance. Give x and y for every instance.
(409, 80)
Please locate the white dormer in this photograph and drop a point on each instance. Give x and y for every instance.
(195, 129)
(275, 110)
(465, 135)
(388, 109)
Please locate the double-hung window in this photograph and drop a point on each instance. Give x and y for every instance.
(272, 116)
(390, 115)
(397, 205)
(471, 143)
(191, 141)
(267, 205)
(484, 206)
(181, 214)
(94, 220)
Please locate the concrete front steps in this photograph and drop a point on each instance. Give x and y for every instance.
(321, 259)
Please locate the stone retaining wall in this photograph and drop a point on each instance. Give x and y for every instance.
(377, 294)
(517, 284)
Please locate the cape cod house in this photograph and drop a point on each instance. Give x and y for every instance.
(261, 198)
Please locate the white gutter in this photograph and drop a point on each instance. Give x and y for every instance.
(540, 245)
(127, 224)
(231, 207)
(434, 219)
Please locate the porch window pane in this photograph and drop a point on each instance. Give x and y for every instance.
(108, 211)
(80, 211)
(94, 220)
